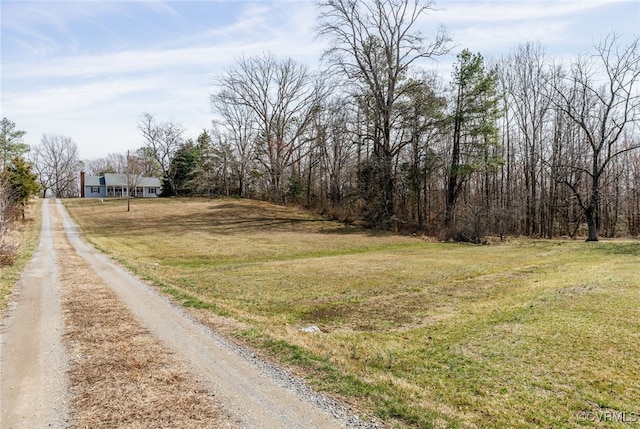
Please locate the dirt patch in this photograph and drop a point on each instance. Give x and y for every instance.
(121, 376)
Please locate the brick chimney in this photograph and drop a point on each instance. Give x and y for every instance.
(82, 184)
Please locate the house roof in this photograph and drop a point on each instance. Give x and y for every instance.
(151, 182)
(94, 181)
(110, 179)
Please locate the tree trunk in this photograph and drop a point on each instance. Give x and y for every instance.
(591, 223)
(591, 211)
(388, 209)
(452, 185)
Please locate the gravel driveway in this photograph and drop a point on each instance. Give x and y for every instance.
(34, 363)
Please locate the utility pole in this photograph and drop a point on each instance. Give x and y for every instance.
(128, 183)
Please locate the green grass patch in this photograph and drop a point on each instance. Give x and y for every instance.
(527, 333)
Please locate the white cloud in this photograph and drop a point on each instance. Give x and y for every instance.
(53, 100)
(564, 27)
(502, 37)
(509, 11)
(124, 62)
(42, 28)
(260, 28)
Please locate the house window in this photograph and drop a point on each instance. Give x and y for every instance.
(152, 190)
(95, 190)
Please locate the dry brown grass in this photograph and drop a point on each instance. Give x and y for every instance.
(16, 249)
(8, 253)
(528, 333)
(120, 376)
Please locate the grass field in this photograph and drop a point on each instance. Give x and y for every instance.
(519, 334)
(24, 235)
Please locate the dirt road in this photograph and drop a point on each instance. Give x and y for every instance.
(33, 363)
(67, 275)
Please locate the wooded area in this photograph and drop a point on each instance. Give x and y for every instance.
(523, 144)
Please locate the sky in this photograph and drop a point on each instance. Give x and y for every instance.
(89, 69)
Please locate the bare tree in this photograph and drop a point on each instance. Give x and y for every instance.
(57, 165)
(603, 105)
(112, 163)
(237, 126)
(134, 178)
(374, 44)
(7, 199)
(335, 147)
(161, 142)
(524, 76)
(282, 96)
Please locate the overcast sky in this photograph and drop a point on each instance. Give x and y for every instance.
(89, 69)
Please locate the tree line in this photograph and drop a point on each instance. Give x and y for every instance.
(523, 144)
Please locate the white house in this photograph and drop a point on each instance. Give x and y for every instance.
(117, 185)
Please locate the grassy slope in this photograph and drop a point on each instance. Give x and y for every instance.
(524, 334)
(26, 235)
